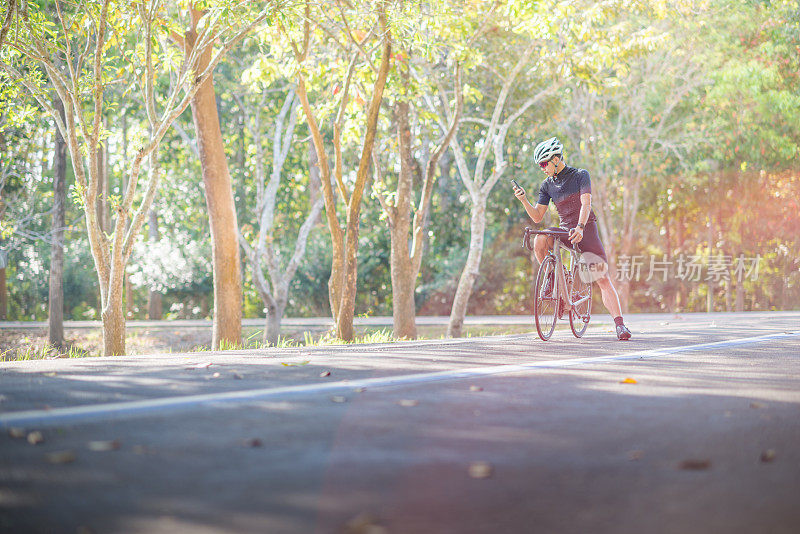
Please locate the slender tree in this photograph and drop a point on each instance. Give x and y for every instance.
(344, 240)
(99, 45)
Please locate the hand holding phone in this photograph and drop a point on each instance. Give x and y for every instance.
(519, 192)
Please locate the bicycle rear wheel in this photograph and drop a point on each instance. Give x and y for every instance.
(544, 306)
(579, 315)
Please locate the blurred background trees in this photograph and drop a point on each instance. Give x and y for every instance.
(686, 114)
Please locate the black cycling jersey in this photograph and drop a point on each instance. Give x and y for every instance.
(565, 189)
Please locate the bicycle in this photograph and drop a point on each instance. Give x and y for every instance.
(568, 291)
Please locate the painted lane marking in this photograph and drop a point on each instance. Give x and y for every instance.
(84, 414)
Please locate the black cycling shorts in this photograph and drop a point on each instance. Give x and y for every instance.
(589, 243)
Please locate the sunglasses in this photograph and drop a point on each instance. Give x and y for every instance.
(543, 164)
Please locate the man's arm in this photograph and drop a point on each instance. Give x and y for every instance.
(586, 208)
(535, 213)
(576, 234)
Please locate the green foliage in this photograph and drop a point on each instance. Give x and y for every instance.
(725, 153)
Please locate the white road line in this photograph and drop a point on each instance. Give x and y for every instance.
(86, 414)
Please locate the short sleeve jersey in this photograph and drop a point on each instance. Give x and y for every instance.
(565, 190)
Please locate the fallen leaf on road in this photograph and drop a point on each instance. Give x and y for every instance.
(480, 470)
(628, 381)
(695, 465)
(252, 442)
(635, 455)
(757, 405)
(237, 376)
(360, 390)
(338, 398)
(60, 457)
(323, 374)
(408, 403)
(475, 388)
(35, 438)
(768, 455)
(364, 523)
(103, 446)
(17, 433)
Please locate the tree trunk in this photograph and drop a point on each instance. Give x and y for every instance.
(114, 321)
(272, 326)
(55, 329)
(3, 295)
(344, 321)
(403, 305)
(155, 309)
(227, 321)
(403, 277)
(471, 268)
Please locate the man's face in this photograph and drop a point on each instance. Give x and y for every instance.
(549, 167)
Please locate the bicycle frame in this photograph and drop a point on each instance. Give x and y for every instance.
(563, 287)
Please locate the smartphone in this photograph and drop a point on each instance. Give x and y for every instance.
(515, 184)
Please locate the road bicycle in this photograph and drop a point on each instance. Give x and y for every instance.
(569, 289)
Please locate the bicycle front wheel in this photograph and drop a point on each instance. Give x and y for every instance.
(544, 303)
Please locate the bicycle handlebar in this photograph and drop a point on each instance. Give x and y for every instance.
(526, 238)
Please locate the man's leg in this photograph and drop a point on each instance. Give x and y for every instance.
(541, 244)
(611, 301)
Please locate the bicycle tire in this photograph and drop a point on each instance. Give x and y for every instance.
(579, 319)
(544, 307)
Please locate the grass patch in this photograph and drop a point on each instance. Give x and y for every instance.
(27, 345)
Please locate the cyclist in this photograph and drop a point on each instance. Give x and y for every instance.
(570, 189)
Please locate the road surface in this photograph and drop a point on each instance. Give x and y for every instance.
(692, 426)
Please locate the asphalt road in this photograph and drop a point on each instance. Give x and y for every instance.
(692, 426)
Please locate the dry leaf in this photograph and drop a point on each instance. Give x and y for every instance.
(237, 376)
(757, 405)
(103, 446)
(475, 388)
(338, 398)
(60, 457)
(252, 442)
(635, 455)
(628, 381)
(205, 365)
(408, 403)
(17, 433)
(323, 374)
(480, 470)
(695, 465)
(364, 523)
(768, 455)
(36, 437)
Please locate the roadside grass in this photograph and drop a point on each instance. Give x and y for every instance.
(81, 344)
(37, 351)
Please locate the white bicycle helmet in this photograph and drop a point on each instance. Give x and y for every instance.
(547, 149)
